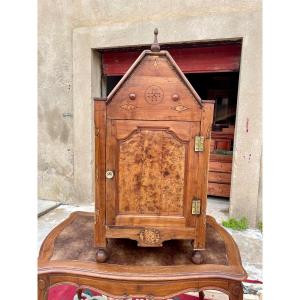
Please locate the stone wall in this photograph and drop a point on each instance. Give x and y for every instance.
(69, 77)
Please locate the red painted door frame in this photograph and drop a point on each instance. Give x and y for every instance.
(208, 59)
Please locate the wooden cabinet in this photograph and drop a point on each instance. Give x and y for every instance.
(152, 141)
(219, 176)
(220, 163)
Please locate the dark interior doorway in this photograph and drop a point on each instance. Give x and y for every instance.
(223, 88)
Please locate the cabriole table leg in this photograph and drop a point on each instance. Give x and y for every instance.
(42, 288)
(236, 291)
(201, 295)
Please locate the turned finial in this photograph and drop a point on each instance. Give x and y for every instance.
(155, 46)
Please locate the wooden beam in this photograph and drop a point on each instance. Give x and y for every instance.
(222, 58)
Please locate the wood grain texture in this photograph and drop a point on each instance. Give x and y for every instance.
(165, 233)
(152, 159)
(156, 73)
(218, 166)
(219, 189)
(151, 173)
(111, 164)
(100, 159)
(219, 176)
(148, 220)
(206, 125)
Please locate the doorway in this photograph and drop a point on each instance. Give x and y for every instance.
(223, 88)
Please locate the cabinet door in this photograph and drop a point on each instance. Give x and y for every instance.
(155, 173)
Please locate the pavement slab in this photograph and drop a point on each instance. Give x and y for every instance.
(44, 206)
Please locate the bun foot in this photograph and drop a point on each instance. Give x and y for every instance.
(101, 255)
(197, 258)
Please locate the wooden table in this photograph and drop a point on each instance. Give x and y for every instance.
(67, 256)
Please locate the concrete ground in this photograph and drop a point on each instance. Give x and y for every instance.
(249, 241)
(44, 206)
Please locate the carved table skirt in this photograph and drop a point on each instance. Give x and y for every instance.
(68, 256)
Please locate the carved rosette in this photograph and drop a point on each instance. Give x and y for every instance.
(154, 95)
(149, 236)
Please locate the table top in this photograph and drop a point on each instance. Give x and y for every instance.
(69, 249)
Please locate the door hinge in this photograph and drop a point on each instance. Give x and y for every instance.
(199, 143)
(196, 206)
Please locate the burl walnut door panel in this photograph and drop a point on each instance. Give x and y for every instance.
(156, 174)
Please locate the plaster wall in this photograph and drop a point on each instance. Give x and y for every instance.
(55, 105)
(69, 77)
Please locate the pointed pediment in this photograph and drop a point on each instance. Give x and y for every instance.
(155, 64)
(154, 88)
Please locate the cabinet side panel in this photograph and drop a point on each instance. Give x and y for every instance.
(111, 164)
(193, 172)
(100, 134)
(206, 123)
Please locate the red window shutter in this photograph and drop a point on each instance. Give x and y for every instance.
(221, 58)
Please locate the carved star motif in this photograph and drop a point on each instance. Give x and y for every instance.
(179, 108)
(128, 106)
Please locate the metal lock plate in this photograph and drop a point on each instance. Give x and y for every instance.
(109, 174)
(199, 143)
(196, 207)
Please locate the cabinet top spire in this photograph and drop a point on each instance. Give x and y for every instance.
(155, 46)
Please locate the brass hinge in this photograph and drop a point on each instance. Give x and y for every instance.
(199, 143)
(196, 206)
